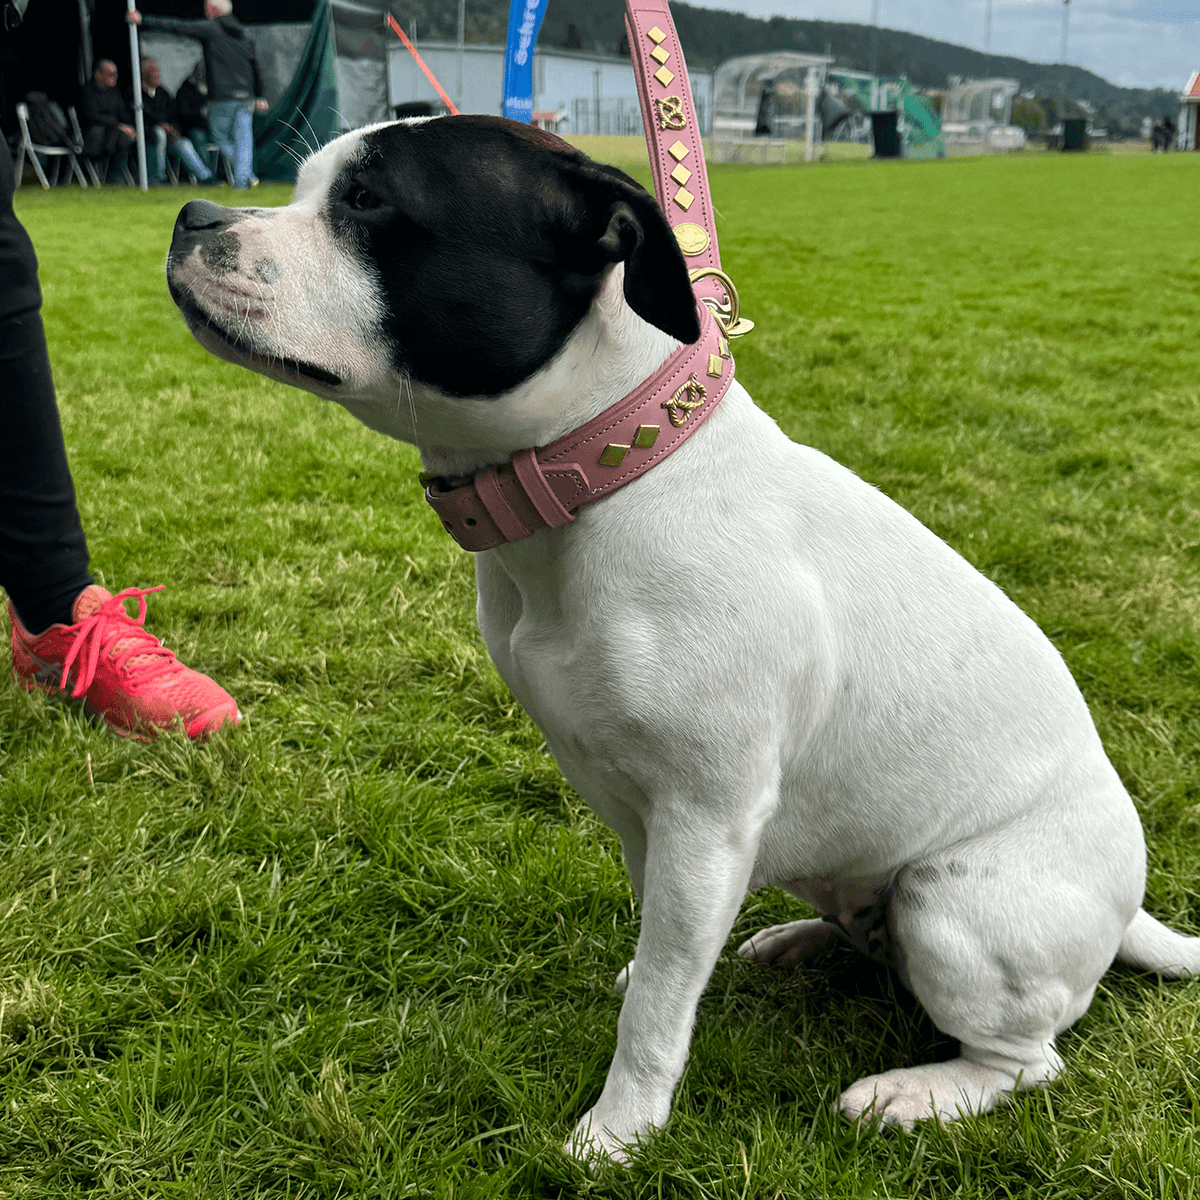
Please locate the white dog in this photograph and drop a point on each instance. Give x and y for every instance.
(755, 667)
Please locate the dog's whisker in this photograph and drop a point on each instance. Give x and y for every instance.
(316, 136)
(307, 145)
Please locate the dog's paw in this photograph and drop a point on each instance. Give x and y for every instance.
(593, 1144)
(790, 944)
(947, 1091)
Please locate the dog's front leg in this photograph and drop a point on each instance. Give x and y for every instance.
(696, 874)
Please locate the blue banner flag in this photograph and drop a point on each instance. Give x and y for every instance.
(524, 21)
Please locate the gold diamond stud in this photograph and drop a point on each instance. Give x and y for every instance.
(656, 35)
(659, 54)
(684, 199)
(681, 174)
(613, 455)
(714, 365)
(646, 436)
(678, 151)
(664, 76)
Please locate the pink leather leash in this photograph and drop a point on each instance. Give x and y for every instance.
(544, 488)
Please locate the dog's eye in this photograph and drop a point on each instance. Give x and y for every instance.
(360, 199)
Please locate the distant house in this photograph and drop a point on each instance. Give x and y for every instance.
(1189, 111)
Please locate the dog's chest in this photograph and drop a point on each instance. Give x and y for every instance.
(616, 698)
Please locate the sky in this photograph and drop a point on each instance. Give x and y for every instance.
(1132, 43)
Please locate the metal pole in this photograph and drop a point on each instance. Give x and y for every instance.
(987, 28)
(1066, 14)
(462, 38)
(137, 101)
(810, 111)
(85, 40)
(875, 37)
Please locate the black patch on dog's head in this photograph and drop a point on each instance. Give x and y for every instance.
(490, 240)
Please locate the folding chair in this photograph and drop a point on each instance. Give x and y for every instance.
(37, 151)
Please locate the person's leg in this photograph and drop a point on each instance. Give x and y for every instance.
(124, 157)
(182, 150)
(201, 139)
(222, 117)
(156, 163)
(43, 551)
(67, 631)
(243, 132)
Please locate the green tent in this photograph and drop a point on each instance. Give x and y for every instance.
(305, 116)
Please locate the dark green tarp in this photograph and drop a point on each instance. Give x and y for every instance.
(305, 116)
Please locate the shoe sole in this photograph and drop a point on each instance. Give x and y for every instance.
(45, 680)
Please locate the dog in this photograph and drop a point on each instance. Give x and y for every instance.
(755, 667)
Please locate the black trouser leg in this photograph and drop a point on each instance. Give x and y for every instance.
(43, 551)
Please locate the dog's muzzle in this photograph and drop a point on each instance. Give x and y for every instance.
(206, 230)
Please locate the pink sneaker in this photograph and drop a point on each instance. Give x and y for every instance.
(123, 674)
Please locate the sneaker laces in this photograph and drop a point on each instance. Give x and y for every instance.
(110, 630)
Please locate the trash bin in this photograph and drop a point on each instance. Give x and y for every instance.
(1075, 133)
(885, 135)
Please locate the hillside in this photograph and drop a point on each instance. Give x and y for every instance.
(710, 36)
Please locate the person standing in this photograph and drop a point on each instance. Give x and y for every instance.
(66, 630)
(234, 84)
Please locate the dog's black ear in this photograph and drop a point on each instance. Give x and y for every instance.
(635, 232)
(657, 287)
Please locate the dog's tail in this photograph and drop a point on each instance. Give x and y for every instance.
(1151, 946)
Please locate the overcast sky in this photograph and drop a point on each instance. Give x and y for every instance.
(1134, 43)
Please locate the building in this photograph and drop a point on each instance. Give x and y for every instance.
(596, 92)
(1188, 137)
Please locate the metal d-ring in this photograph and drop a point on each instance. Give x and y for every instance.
(732, 324)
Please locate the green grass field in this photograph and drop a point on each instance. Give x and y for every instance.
(363, 945)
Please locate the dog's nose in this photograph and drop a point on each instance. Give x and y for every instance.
(199, 215)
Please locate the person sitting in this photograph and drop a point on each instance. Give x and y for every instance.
(108, 131)
(234, 83)
(190, 103)
(158, 116)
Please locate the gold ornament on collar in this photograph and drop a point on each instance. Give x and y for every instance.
(685, 401)
(670, 113)
(692, 239)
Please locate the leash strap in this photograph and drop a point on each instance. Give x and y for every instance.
(673, 135)
(545, 488)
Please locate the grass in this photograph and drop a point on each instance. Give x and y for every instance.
(362, 946)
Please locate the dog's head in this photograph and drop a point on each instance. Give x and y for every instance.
(458, 254)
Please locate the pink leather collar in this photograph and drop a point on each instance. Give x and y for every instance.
(544, 488)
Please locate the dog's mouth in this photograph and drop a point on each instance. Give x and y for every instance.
(227, 344)
(272, 363)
